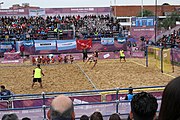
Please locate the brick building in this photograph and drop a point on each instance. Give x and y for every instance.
(128, 11)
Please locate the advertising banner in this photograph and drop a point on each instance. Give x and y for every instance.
(137, 54)
(84, 44)
(28, 43)
(107, 41)
(6, 45)
(175, 55)
(66, 44)
(121, 40)
(37, 12)
(45, 44)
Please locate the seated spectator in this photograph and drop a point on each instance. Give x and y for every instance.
(143, 106)
(10, 117)
(52, 59)
(96, 116)
(4, 92)
(65, 59)
(48, 60)
(43, 59)
(130, 95)
(71, 59)
(114, 117)
(170, 104)
(60, 59)
(61, 109)
(33, 61)
(13, 50)
(84, 117)
(39, 60)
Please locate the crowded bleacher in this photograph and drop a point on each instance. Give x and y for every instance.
(168, 40)
(39, 28)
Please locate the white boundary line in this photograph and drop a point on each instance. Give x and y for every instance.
(137, 63)
(169, 75)
(145, 66)
(87, 76)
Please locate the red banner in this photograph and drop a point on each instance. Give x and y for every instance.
(84, 44)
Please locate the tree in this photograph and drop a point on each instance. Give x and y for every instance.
(146, 13)
(170, 20)
(165, 4)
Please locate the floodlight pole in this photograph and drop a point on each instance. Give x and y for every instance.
(115, 7)
(155, 21)
(142, 8)
(1, 4)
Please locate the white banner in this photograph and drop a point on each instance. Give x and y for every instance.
(67, 44)
(37, 12)
(47, 44)
(6, 47)
(106, 55)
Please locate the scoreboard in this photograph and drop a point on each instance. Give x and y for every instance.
(143, 21)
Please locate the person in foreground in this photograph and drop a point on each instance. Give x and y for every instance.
(84, 117)
(170, 104)
(4, 92)
(143, 107)
(10, 117)
(114, 116)
(96, 116)
(61, 109)
(130, 95)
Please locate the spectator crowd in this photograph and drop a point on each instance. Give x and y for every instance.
(171, 40)
(23, 28)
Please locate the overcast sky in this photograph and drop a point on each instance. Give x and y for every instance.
(84, 3)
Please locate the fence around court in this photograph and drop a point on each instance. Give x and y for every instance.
(107, 102)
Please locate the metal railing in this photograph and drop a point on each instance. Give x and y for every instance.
(115, 104)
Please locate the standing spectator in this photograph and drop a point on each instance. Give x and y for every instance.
(96, 116)
(61, 109)
(130, 95)
(170, 104)
(143, 106)
(37, 75)
(114, 117)
(4, 92)
(22, 50)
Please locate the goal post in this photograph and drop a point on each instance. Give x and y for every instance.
(161, 57)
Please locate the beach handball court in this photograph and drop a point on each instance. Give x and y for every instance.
(107, 74)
